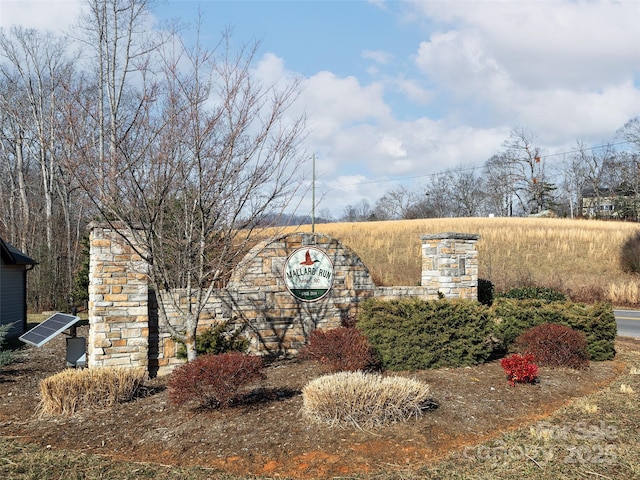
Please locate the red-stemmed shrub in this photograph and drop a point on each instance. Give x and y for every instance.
(520, 369)
(214, 380)
(555, 345)
(342, 349)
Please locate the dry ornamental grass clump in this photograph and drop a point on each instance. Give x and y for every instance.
(72, 390)
(364, 400)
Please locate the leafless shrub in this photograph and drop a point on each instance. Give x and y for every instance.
(73, 390)
(364, 400)
(630, 254)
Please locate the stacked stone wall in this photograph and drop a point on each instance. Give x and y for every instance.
(256, 298)
(280, 323)
(450, 265)
(126, 328)
(118, 302)
(163, 348)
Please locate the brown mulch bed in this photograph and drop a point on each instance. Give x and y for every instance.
(265, 434)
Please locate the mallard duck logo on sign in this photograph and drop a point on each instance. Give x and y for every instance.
(308, 274)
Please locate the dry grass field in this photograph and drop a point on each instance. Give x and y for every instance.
(577, 257)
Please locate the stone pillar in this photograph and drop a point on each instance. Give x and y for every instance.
(118, 301)
(450, 264)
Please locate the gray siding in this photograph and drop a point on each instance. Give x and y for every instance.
(12, 297)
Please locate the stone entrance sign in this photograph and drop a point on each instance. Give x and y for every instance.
(281, 291)
(308, 274)
(286, 287)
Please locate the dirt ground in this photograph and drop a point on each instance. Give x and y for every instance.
(267, 435)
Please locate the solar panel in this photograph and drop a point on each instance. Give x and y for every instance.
(45, 331)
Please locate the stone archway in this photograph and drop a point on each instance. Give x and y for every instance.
(278, 321)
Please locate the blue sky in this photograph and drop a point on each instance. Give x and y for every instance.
(396, 91)
(311, 35)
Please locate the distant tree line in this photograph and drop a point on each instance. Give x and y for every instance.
(520, 180)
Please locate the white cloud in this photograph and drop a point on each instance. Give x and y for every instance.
(392, 146)
(335, 103)
(545, 44)
(347, 183)
(346, 190)
(381, 4)
(413, 90)
(54, 15)
(458, 61)
(438, 145)
(378, 56)
(577, 44)
(559, 68)
(558, 114)
(271, 68)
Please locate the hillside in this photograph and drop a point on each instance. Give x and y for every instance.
(577, 257)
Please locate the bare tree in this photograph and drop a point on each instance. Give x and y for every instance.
(576, 171)
(393, 204)
(419, 208)
(601, 174)
(204, 154)
(359, 212)
(116, 32)
(466, 193)
(627, 198)
(40, 65)
(630, 168)
(499, 186)
(34, 74)
(531, 185)
(13, 184)
(439, 195)
(631, 132)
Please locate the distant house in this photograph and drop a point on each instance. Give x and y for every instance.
(14, 266)
(610, 204)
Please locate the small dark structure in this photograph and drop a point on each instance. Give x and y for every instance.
(14, 266)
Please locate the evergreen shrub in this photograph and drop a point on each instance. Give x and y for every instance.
(6, 356)
(221, 338)
(555, 345)
(486, 291)
(340, 349)
(512, 317)
(212, 381)
(534, 293)
(414, 334)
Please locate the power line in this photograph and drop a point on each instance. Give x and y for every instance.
(467, 169)
(583, 149)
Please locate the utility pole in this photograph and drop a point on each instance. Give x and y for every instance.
(313, 194)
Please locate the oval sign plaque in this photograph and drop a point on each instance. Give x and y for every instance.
(308, 274)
